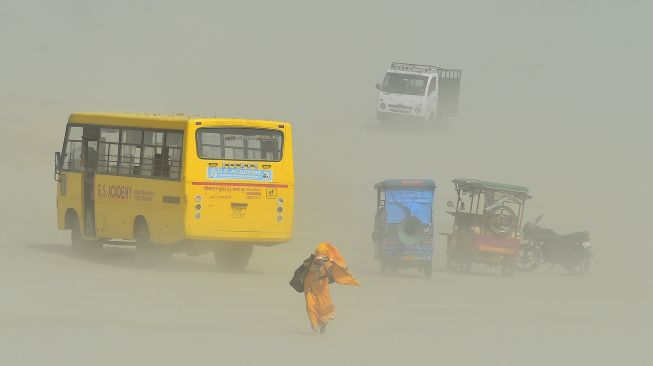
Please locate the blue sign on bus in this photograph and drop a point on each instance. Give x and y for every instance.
(259, 175)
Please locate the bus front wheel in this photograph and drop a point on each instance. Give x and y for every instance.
(76, 239)
(232, 257)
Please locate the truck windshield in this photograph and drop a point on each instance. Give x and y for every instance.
(404, 84)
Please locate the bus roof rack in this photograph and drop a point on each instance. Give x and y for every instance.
(444, 73)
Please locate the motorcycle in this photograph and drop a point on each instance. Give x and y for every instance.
(542, 245)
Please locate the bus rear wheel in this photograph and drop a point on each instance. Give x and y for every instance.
(145, 249)
(232, 257)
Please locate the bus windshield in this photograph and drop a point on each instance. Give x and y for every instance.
(248, 144)
(404, 84)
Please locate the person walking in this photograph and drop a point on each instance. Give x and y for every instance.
(328, 266)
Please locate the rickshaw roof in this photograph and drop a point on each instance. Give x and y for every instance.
(467, 184)
(390, 184)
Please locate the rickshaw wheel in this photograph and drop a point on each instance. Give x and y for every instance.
(385, 269)
(508, 267)
(464, 258)
(428, 269)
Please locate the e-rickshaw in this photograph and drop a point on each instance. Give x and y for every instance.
(487, 222)
(403, 225)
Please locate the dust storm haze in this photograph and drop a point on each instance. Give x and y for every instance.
(555, 96)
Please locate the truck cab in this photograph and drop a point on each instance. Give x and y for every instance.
(424, 93)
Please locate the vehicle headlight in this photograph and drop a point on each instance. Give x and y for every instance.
(382, 105)
(418, 110)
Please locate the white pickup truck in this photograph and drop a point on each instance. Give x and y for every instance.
(419, 92)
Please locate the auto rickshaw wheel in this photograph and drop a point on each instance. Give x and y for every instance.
(465, 258)
(385, 270)
(428, 269)
(508, 267)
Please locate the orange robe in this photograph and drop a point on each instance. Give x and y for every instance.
(319, 306)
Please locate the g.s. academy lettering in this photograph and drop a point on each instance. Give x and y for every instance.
(114, 191)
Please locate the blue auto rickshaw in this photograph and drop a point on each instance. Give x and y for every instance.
(403, 225)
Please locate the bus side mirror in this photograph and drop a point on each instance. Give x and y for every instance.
(378, 86)
(57, 165)
(450, 204)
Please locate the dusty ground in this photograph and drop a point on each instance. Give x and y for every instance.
(108, 309)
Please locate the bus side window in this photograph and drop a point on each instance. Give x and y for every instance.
(108, 150)
(130, 152)
(174, 141)
(152, 161)
(72, 159)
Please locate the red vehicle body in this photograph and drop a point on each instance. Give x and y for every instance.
(486, 229)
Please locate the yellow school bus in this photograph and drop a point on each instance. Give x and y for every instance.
(176, 184)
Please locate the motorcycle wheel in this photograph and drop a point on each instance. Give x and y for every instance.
(580, 267)
(528, 258)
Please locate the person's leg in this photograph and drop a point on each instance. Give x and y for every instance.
(311, 309)
(325, 309)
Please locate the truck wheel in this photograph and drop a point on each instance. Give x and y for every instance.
(232, 257)
(442, 122)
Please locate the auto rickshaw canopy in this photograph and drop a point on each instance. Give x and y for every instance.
(476, 185)
(403, 184)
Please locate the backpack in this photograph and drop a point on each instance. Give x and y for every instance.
(297, 281)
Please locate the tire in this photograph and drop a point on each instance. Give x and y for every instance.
(508, 267)
(451, 265)
(145, 249)
(440, 122)
(460, 261)
(78, 243)
(232, 257)
(466, 259)
(428, 269)
(385, 268)
(580, 268)
(528, 258)
(431, 121)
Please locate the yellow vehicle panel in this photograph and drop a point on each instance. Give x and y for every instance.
(194, 204)
(119, 200)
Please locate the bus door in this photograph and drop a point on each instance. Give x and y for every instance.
(89, 166)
